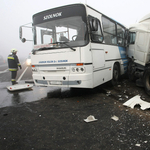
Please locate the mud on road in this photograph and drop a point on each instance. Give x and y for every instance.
(56, 121)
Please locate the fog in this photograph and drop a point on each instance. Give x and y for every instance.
(14, 13)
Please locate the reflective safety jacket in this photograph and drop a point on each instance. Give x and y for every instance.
(13, 62)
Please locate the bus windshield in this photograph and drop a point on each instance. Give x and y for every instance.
(70, 29)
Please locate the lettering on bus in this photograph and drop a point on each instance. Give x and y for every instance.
(50, 16)
(53, 61)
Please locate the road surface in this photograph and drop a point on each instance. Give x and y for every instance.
(51, 118)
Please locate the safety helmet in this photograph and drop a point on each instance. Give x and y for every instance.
(13, 50)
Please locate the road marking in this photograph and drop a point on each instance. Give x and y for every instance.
(4, 71)
(22, 74)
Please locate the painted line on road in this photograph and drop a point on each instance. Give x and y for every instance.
(4, 71)
(22, 74)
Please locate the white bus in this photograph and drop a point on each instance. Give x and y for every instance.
(77, 46)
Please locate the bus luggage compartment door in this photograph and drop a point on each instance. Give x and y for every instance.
(98, 58)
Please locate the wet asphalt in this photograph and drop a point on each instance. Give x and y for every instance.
(52, 118)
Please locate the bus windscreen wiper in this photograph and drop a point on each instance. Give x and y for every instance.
(65, 43)
(45, 48)
(42, 48)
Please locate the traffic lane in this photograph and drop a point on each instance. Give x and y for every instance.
(6, 76)
(3, 67)
(57, 120)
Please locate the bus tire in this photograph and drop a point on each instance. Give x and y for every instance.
(116, 74)
(146, 80)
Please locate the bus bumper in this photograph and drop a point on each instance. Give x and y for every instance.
(78, 81)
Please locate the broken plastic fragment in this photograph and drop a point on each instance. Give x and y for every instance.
(115, 118)
(90, 119)
(108, 93)
(119, 95)
(136, 100)
(138, 145)
(120, 99)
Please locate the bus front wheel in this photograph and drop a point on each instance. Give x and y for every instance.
(116, 74)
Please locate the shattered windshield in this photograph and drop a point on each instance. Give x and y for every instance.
(71, 30)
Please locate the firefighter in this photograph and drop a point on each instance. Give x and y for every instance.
(13, 64)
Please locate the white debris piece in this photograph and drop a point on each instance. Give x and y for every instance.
(136, 100)
(90, 119)
(138, 145)
(19, 87)
(115, 118)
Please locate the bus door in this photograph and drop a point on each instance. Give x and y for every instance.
(97, 49)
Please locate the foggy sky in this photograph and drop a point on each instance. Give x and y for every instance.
(14, 13)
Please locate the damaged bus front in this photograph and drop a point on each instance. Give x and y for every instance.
(60, 35)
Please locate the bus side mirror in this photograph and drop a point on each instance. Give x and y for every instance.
(95, 24)
(20, 33)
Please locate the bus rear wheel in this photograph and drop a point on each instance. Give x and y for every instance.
(146, 80)
(116, 74)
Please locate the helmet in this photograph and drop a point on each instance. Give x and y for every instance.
(13, 50)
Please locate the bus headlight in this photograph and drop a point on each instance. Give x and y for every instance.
(78, 69)
(34, 69)
(73, 69)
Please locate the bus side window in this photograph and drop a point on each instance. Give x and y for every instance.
(109, 29)
(120, 35)
(95, 30)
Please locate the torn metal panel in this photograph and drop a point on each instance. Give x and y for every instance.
(136, 100)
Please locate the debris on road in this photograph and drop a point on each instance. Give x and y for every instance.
(19, 87)
(138, 145)
(90, 119)
(108, 93)
(136, 100)
(115, 118)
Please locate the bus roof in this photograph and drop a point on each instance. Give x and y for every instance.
(78, 5)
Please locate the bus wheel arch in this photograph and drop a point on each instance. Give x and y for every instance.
(115, 73)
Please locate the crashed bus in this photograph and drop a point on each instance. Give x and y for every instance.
(77, 46)
(139, 53)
